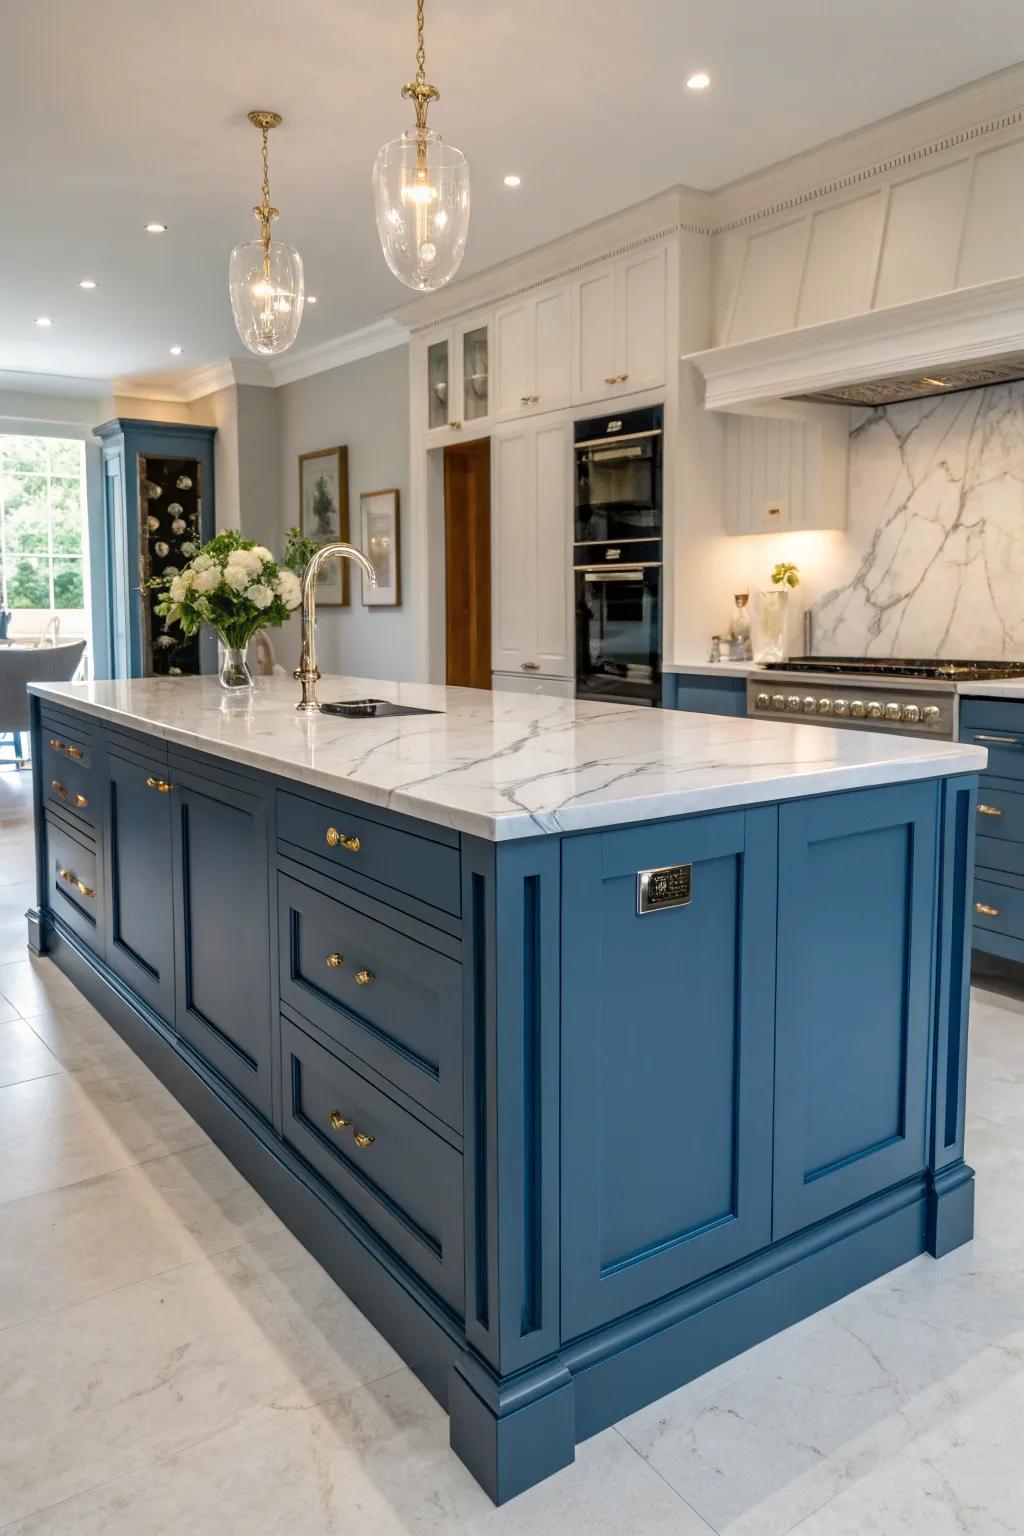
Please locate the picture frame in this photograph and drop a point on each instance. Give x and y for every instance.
(324, 516)
(380, 541)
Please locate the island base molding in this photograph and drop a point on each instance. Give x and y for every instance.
(513, 1431)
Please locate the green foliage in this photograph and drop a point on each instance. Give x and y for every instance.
(299, 550)
(28, 584)
(785, 574)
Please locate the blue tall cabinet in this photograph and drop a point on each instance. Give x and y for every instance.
(140, 458)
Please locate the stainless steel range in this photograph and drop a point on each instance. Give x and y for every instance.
(912, 698)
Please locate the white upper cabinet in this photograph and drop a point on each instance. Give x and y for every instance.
(531, 550)
(453, 366)
(532, 354)
(786, 473)
(620, 329)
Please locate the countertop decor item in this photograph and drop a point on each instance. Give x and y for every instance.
(235, 586)
(421, 193)
(739, 629)
(378, 512)
(323, 517)
(265, 277)
(771, 630)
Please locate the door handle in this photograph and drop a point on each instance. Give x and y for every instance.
(336, 839)
(988, 810)
(985, 909)
(162, 786)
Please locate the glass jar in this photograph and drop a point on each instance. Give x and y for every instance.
(771, 628)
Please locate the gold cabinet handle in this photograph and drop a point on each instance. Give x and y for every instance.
(531, 666)
(362, 1140)
(71, 878)
(455, 425)
(65, 747)
(334, 960)
(985, 909)
(524, 399)
(1003, 741)
(162, 786)
(611, 378)
(336, 840)
(363, 978)
(77, 800)
(622, 378)
(988, 810)
(58, 789)
(338, 1121)
(80, 801)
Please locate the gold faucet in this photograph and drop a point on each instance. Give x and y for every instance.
(307, 672)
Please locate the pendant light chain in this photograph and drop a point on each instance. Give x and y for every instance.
(265, 276)
(421, 56)
(418, 91)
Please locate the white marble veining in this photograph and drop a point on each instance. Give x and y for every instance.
(933, 554)
(502, 765)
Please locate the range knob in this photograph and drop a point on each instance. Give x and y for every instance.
(874, 710)
(778, 701)
(824, 706)
(931, 714)
(911, 713)
(841, 707)
(762, 701)
(810, 704)
(857, 709)
(793, 702)
(894, 712)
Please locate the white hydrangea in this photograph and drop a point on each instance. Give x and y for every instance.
(203, 562)
(236, 576)
(207, 579)
(260, 595)
(261, 552)
(245, 560)
(289, 588)
(178, 590)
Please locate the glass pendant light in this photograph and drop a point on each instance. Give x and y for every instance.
(265, 275)
(421, 193)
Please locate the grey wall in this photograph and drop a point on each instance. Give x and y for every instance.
(259, 485)
(365, 406)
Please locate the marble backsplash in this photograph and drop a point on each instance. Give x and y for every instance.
(932, 562)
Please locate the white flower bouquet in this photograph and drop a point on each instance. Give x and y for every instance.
(234, 585)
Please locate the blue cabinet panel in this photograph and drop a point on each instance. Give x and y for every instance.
(699, 691)
(222, 923)
(666, 1062)
(857, 892)
(140, 908)
(998, 725)
(73, 882)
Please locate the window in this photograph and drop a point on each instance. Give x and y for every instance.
(43, 555)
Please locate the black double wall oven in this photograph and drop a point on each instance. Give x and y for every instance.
(618, 557)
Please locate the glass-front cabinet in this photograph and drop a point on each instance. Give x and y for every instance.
(455, 369)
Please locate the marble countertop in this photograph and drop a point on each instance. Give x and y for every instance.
(507, 765)
(727, 668)
(1013, 689)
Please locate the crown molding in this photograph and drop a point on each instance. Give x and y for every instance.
(381, 336)
(967, 325)
(71, 387)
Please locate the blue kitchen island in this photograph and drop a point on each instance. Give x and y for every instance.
(585, 1046)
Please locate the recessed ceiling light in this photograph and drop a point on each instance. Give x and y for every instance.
(175, 351)
(156, 229)
(699, 82)
(310, 298)
(44, 321)
(87, 282)
(513, 181)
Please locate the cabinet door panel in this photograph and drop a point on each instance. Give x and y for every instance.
(666, 1103)
(514, 349)
(140, 912)
(551, 369)
(223, 931)
(552, 502)
(642, 321)
(857, 894)
(594, 370)
(515, 597)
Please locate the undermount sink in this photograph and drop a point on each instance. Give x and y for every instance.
(372, 709)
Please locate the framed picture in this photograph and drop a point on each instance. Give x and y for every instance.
(323, 515)
(378, 516)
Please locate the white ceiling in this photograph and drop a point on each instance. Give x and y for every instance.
(122, 111)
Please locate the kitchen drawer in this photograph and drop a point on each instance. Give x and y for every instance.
(65, 742)
(405, 1182)
(389, 999)
(1003, 907)
(69, 785)
(1000, 819)
(72, 881)
(999, 727)
(416, 865)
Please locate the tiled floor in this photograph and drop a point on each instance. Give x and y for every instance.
(172, 1361)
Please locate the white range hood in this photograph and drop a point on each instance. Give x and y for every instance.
(963, 339)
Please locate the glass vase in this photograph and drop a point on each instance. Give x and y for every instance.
(234, 667)
(771, 628)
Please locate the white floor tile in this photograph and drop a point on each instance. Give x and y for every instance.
(22, 1054)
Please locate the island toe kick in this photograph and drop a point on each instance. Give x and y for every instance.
(571, 1117)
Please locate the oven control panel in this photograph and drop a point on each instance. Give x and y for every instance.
(851, 702)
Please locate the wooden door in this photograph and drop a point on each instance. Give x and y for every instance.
(514, 618)
(467, 564)
(667, 1042)
(140, 910)
(222, 929)
(856, 918)
(641, 320)
(552, 498)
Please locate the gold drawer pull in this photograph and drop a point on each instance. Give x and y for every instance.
(363, 978)
(362, 1140)
(988, 810)
(65, 747)
(71, 878)
(985, 909)
(335, 840)
(1003, 741)
(531, 666)
(77, 800)
(338, 1121)
(611, 378)
(335, 960)
(162, 786)
(80, 801)
(58, 789)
